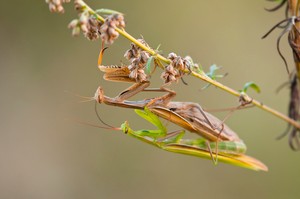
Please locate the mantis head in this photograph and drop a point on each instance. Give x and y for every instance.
(99, 95)
(125, 127)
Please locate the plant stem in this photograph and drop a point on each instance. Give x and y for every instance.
(253, 101)
(201, 76)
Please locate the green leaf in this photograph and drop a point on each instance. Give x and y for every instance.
(251, 85)
(148, 65)
(105, 11)
(212, 74)
(212, 71)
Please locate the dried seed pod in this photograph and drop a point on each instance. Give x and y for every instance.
(108, 32)
(187, 61)
(170, 74)
(129, 54)
(141, 75)
(56, 5)
(84, 18)
(133, 74)
(75, 26)
(75, 31)
(93, 28)
(176, 68)
(180, 63)
(135, 52)
(172, 56)
(168, 77)
(138, 59)
(79, 5)
(138, 74)
(144, 56)
(88, 24)
(74, 23)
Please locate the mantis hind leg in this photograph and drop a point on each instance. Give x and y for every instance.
(215, 161)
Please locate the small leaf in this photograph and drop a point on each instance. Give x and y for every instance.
(198, 68)
(206, 86)
(157, 48)
(105, 11)
(212, 74)
(212, 70)
(251, 85)
(148, 64)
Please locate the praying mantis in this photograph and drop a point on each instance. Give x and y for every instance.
(218, 141)
(173, 142)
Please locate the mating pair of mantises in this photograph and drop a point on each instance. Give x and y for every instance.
(218, 142)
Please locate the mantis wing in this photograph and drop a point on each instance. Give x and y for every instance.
(238, 160)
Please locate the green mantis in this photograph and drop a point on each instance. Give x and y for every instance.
(217, 142)
(174, 142)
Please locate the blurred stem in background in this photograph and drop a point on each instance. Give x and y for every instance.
(291, 25)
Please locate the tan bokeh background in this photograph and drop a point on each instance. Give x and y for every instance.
(45, 155)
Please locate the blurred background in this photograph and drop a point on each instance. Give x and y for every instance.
(45, 154)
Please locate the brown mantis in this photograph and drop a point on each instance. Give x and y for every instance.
(188, 115)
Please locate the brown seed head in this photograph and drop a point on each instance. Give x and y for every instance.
(86, 23)
(176, 68)
(56, 5)
(138, 59)
(93, 27)
(172, 56)
(79, 5)
(108, 29)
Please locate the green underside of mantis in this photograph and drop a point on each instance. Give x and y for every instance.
(225, 151)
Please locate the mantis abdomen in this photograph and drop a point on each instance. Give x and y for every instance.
(225, 147)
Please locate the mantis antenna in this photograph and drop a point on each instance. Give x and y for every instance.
(99, 118)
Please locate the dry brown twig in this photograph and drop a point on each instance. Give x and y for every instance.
(292, 28)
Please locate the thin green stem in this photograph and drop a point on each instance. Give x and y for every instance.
(201, 76)
(253, 101)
